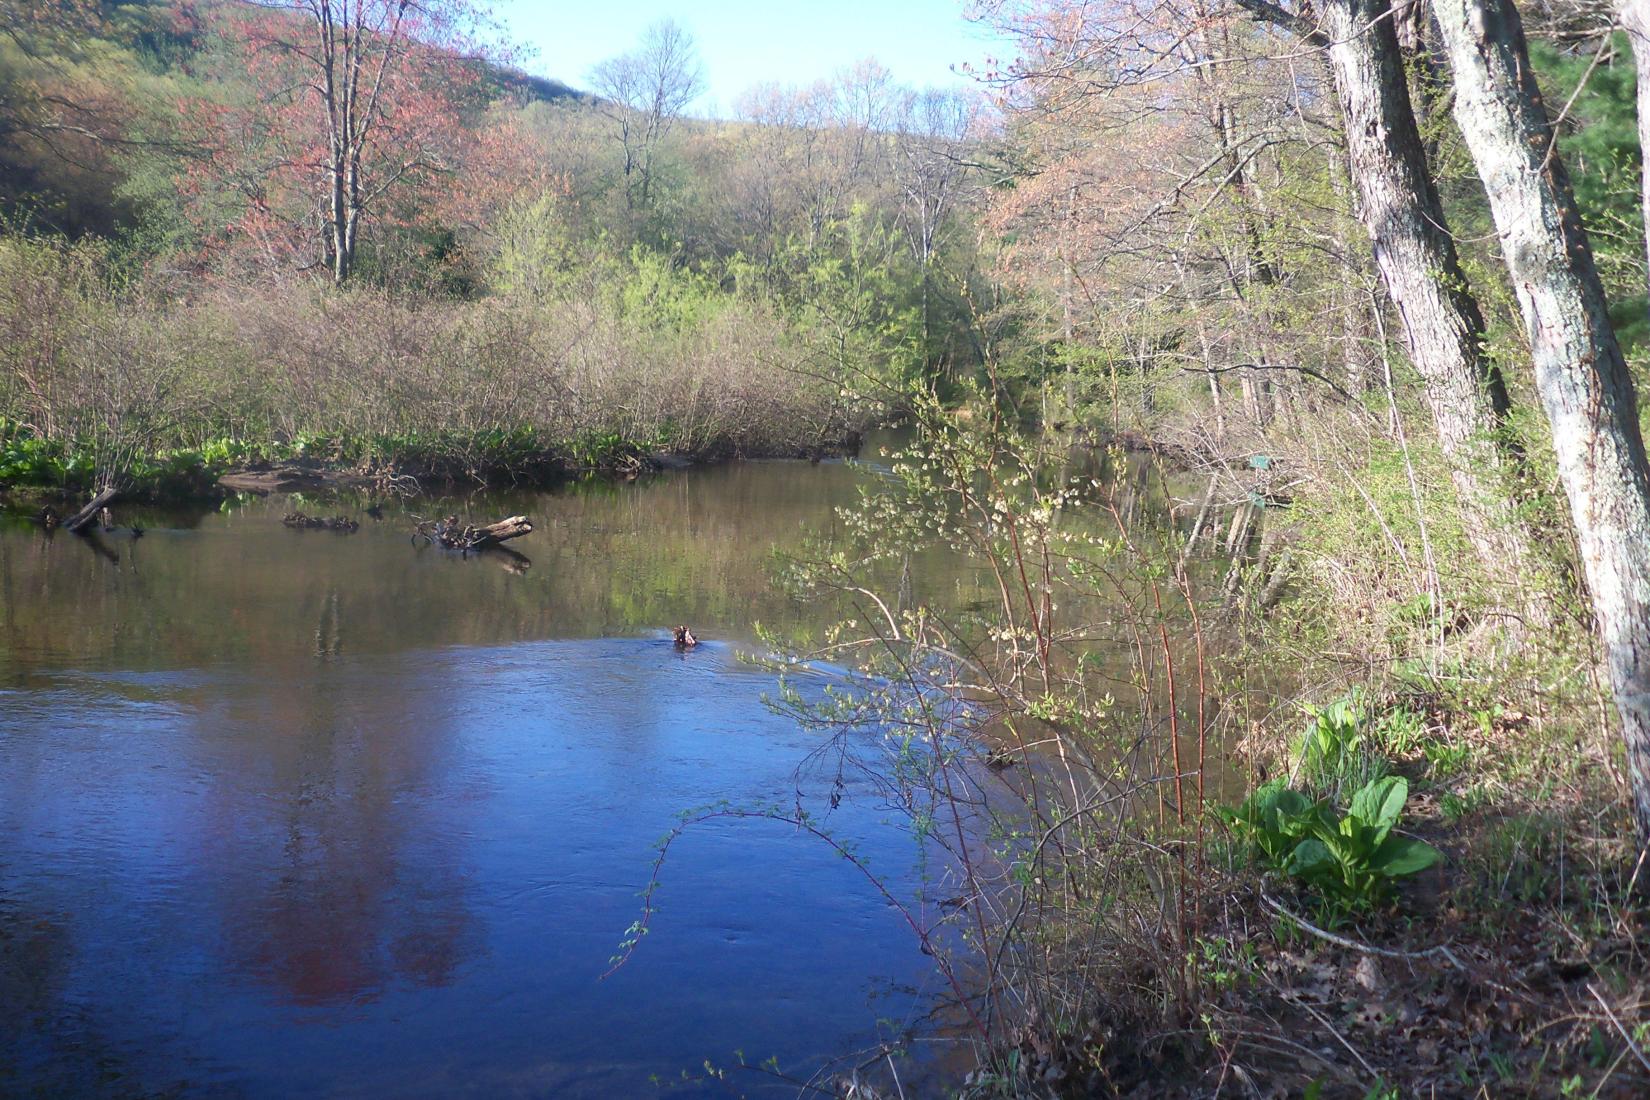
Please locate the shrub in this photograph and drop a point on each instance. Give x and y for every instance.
(1349, 860)
(1335, 753)
(614, 359)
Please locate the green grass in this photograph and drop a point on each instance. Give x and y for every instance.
(191, 472)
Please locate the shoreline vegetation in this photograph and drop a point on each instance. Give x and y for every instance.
(157, 395)
(1368, 812)
(1260, 858)
(34, 473)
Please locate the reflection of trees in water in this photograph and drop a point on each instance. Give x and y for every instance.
(52, 1043)
(329, 633)
(330, 851)
(694, 547)
(700, 548)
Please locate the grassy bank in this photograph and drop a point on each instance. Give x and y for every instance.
(159, 384)
(34, 469)
(1342, 843)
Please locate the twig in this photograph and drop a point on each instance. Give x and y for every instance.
(1440, 951)
(1632, 1045)
(1638, 866)
(897, 1086)
(1322, 1019)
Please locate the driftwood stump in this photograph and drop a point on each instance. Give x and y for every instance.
(83, 518)
(502, 531)
(454, 535)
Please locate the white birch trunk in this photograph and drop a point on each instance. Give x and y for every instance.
(1579, 370)
(1443, 327)
(1635, 20)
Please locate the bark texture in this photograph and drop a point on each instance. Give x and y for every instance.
(1398, 204)
(1579, 370)
(1634, 16)
(1443, 326)
(81, 520)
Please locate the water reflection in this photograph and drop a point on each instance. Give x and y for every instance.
(236, 586)
(289, 811)
(301, 812)
(333, 879)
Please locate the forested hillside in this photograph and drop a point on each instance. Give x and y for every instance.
(625, 276)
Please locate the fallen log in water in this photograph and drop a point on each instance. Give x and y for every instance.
(494, 533)
(83, 518)
(454, 535)
(337, 523)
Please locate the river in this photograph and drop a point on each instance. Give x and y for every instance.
(295, 812)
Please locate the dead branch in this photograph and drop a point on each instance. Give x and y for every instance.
(83, 518)
(454, 535)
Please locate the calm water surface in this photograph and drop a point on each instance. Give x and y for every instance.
(289, 812)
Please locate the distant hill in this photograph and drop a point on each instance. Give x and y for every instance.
(541, 88)
(81, 100)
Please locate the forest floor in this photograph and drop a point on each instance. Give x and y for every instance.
(1518, 966)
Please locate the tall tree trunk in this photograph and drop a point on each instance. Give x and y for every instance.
(1358, 358)
(1251, 400)
(1260, 274)
(1398, 204)
(336, 239)
(1635, 20)
(1443, 326)
(1579, 370)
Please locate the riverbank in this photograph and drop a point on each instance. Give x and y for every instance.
(36, 472)
(161, 382)
(1338, 571)
(1259, 844)
(1514, 965)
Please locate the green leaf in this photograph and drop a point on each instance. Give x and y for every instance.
(1380, 802)
(1398, 856)
(1310, 858)
(1332, 834)
(1292, 803)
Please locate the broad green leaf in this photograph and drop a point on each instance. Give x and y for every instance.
(1398, 856)
(1310, 858)
(1327, 831)
(1380, 802)
(1292, 802)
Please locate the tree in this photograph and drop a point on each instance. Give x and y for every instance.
(1579, 370)
(1590, 69)
(1635, 20)
(644, 92)
(355, 101)
(1240, 136)
(72, 109)
(31, 102)
(1399, 205)
(933, 168)
(827, 146)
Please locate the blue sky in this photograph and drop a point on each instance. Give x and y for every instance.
(743, 42)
